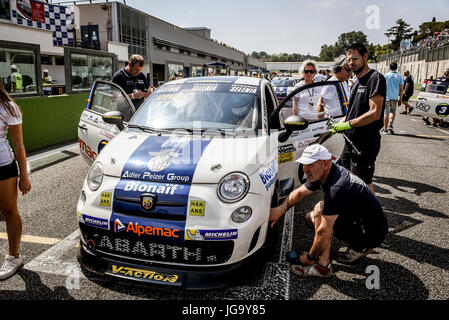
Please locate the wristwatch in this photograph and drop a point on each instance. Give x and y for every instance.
(311, 258)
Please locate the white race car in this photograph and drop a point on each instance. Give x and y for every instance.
(433, 100)
(283, 86)
(179, 193)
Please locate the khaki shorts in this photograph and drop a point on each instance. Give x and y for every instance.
(390, 106)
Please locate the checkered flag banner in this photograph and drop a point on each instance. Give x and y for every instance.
(40, 15)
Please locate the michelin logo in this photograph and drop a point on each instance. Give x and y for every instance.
(94, 222)
(211, 234)
(268, 175)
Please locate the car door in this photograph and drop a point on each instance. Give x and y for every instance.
(93, 132)
(318, 130)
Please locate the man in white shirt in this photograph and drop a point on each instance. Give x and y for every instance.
(329, 103)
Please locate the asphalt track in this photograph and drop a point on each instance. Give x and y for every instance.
(411, 182)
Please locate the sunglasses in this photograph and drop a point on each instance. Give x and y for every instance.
(309, 71)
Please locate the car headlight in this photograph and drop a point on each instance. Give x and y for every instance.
(233, 187)
(95, 176)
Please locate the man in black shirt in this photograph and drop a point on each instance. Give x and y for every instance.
(365, 115)
(350, 211)
(133, 80)
(409, 87)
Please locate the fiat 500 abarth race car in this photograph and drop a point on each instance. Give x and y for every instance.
(433, 100)
(180, 191)
(283, 86)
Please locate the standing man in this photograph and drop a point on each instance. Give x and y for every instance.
(350, 211)
(364, 118)
(46, 83)
(16, 80)
(409, 87)
(329, 101)
(133, 80)
(394, 97)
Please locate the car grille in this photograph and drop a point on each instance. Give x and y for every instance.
(189, 252)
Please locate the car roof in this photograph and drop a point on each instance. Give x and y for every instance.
(217, 79)
(283, 78)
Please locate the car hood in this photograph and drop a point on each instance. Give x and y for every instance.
(183, 158)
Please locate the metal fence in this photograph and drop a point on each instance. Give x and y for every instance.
(417, 54)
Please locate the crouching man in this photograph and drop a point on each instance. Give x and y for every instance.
(350, 211)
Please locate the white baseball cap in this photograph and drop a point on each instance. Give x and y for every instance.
(45, 71)
(13, 66)
(313, 153)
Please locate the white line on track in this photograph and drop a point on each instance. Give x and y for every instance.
(446, 132)
(286, 245)
(49, 261)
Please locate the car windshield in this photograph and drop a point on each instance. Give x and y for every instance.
(283, 83)
(440, 87)
(193, 105)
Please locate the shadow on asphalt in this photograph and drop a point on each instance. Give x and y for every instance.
(417, 137)
(35, 289)
(400, 184)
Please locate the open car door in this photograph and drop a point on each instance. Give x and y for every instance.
(318, 104)
(106, 99)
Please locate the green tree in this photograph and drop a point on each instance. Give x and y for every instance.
(400, 31)
(255, 54)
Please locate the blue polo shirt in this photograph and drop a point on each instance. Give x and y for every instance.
(394, 80)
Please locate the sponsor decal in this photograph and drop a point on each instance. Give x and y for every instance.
(94, 222)
(141, 228)
(268, 175)
(138, 186)
(105, 199)
(421, 105)
(87, 150)
(204, 87)
(118, 226)
(197, 208)
(305, 143)
(286, 153)
(207, 235)
(285, 157)
(106, 134)
(243, 89)
(144, 274)
(442, 110)
(167, 159)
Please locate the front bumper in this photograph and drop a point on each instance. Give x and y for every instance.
(190, 278)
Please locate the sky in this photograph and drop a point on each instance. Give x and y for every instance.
(292, 26)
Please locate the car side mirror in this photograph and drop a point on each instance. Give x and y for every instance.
(292, 123)
(114, 117)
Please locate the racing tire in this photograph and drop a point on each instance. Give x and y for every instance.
(272, 233)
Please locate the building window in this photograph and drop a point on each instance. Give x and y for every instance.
(88, 68)
(197, 71)
(25, 77)
(46, 60)
(5, 10)
(132, 28)
(175, 71)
